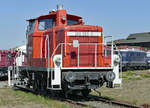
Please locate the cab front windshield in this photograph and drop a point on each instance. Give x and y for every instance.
(46, 24)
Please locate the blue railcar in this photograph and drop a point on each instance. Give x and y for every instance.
(132, 59)
(148, 59)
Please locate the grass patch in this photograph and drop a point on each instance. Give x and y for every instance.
(135, 88)
(136, 78)
(145, 75)
(129, 73)
(124, 77)
(9, 97)
(135, 75)
(29, 97)
(107, 97)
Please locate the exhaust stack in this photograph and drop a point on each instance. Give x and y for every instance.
(61, 16)
(59, 7)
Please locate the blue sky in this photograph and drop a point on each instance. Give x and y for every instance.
(119, 18)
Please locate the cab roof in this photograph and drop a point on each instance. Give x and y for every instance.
(53, 14)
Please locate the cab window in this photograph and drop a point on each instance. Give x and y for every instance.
(71, 22)
(31, 26)
(46, 24)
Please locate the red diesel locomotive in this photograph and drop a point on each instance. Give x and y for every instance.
(64, 54)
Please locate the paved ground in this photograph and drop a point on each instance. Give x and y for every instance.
(3, 84)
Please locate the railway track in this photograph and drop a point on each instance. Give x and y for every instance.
(99, 102)
(90, 101)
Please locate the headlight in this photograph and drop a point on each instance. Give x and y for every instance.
(70, 77)
(116, 59)
(57, 60)
(110, 76)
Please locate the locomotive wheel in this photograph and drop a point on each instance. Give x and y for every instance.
(43, 84)
(85, 92)
(35, 86)
(109, 84)
(43, 87)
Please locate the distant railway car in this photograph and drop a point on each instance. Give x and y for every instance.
(133, 59)
(64, 54)
(6, 59)
(148, 59)
(15, 57)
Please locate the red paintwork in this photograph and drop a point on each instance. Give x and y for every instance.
(4, 61)
(36, 42)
